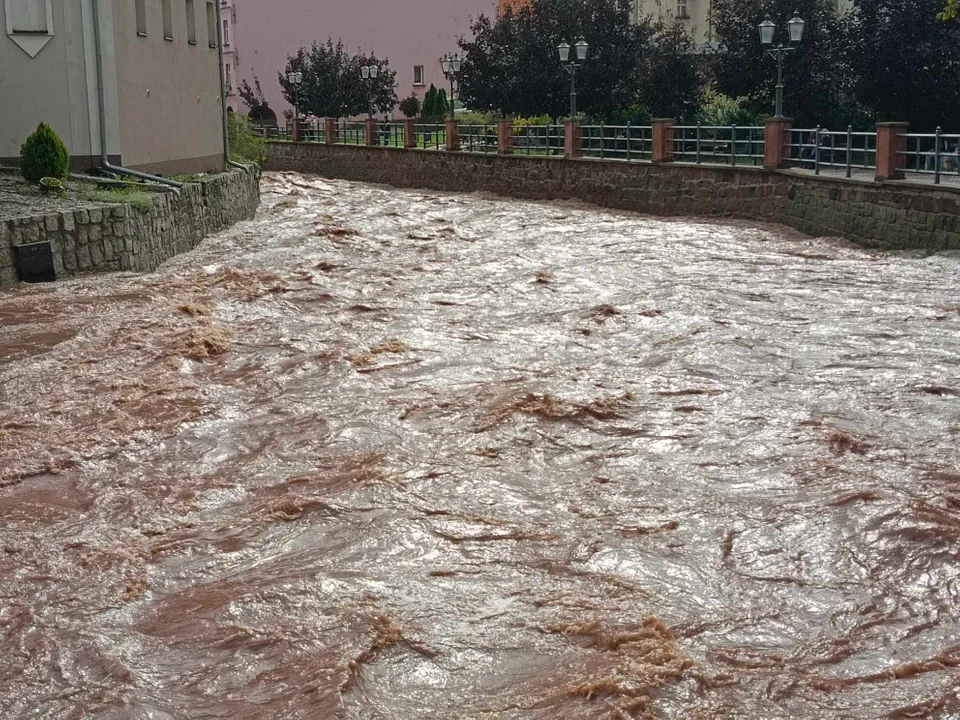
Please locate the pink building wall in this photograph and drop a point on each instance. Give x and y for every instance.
(407, 32)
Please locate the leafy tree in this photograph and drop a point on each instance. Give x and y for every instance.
(905, 63)
(252, 97)
(816, 79)
(410, 106)
(246, 144)
(670, 76)
(332, 84)
(44, 155)
(950, 11)
(512, 65)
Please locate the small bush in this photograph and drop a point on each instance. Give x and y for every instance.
(44, 155)
(410, 107)
(246, 144)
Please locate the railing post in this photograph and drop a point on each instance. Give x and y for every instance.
(453, 135)
(662, 140)
(776, 137)
(371, 131)
(891, 142)
(410, 132)
(571, 139)
(504, 136)
(330, 131)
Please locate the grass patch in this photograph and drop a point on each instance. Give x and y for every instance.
(140, 200)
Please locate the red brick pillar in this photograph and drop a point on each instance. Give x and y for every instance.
(330, 131)
(777, 137)
(504, 136)
(662, 140)
(410, 133)
(453, 135)
(891, 141)
(371, 131)
(571, 139)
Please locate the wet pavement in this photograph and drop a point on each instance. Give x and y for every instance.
(393, 454)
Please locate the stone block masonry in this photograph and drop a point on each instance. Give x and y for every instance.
(892, 215)
(121, 237)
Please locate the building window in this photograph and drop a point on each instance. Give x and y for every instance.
(141, 10)
(191, 23)
(418, 74)
(682, 9)
(28, 17)
(229, 77)
(167, 19)
(211, 25)
(226, 32)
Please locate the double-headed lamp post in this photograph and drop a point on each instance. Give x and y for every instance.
(451, 65)
(767, 30)
(295, 79)
(370, 73)
(572, 65)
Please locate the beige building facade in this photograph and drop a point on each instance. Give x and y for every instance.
(695, 14)
(160, 75)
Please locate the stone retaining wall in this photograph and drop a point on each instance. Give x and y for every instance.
(891, 215)
(121, 237)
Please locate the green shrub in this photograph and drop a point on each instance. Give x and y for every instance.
(410, 106)
(247, 145)
(44, 155)
(722, 110)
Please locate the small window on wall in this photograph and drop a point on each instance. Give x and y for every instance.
(418, 74)
(28, 17)
(167, 20)
(191, 23)
(229, 77)
(211, 25)
(141, 10)
(226, 32)
(682, 9)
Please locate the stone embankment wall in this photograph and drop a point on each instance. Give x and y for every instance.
(891, 215)
(122, 237)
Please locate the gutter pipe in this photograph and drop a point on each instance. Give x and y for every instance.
(102, 104)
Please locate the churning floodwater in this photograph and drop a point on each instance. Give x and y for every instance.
(384, 454)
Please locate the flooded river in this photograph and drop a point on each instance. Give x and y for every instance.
(394, 455)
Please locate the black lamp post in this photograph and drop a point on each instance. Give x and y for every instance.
(451, 65)
(572, 65)
(295, 79)
(767, 30)
(370, 73)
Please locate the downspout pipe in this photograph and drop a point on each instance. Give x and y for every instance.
(223, 94)
(102, 106)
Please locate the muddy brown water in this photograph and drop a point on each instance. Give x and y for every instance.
(392, 454)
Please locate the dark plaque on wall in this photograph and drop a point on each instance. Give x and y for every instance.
(35, 262)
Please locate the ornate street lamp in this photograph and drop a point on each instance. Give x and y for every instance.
(295, 79)
(795, 31)
(451, 65)
(370, 73)
(571, 66)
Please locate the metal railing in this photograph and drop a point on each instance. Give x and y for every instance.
(817, 148)
(933, 154)
(351, 132)
(537, 139)
(431, 136)
(719, 144)
(391, 134)
(312, 132)
(478, 138)
(630, 143)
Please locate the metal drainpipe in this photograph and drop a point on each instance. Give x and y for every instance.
(223, 93)
(102, 103)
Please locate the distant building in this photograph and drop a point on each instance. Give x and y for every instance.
(160, 76)
(231, 55)
(412, 34)
(515, 4)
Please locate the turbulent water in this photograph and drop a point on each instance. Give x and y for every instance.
(399, 455)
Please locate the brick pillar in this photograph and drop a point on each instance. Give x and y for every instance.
(371, 131)
(776, 137)
(453, 135)
(662, 140)
(504, 135)
(330, 131)
(296, 130)
(571, 139)
(410, 133)
(890, 140)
